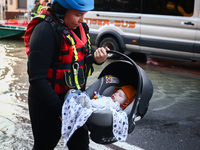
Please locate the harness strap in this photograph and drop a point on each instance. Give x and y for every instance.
(86, 28)
(68, 66)
(90, 70)
(73, 45)
(55, 65)
(89, 43)
(63, 32)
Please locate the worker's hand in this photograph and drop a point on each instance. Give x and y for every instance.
(100, 55)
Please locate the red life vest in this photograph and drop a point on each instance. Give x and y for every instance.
(70, 70)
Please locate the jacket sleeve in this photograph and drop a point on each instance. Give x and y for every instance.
(43, 45)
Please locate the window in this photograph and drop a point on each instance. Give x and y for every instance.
(11, 2)
(132, 6)
(168, 7)
(22, 4)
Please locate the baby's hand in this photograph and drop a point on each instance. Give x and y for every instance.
(83, 100)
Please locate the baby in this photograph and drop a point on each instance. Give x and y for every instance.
(121, 97)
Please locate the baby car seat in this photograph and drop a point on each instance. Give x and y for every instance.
(100, 123)
(115, 74)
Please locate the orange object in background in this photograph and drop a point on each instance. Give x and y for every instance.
(12, 21)
(134, 41)
(23, 23)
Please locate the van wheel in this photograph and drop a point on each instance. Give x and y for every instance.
(112, 44)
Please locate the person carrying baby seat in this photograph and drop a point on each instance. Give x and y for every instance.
(57, 44)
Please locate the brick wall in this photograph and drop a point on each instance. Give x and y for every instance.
(12, 15)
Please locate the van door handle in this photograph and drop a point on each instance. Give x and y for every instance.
(132, 17)
(189, 23)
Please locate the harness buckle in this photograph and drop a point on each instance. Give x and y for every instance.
(48, 19)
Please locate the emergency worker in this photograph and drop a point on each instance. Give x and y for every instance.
(36, 8)
(44, 2)
(58, 46)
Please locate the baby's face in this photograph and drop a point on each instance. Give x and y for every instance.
(120, 96)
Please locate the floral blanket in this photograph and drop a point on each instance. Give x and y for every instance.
(74, 116)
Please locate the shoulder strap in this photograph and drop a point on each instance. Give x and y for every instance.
(86, 28)
(29, 30)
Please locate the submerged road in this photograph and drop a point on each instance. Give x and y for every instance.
(172, 121)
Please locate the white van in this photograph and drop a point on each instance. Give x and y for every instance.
(164, 28)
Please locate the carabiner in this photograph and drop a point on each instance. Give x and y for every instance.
(75, 68)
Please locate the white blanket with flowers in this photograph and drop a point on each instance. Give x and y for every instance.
(74, 116)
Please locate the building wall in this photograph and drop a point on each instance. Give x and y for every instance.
(13, 11)
(14, 6)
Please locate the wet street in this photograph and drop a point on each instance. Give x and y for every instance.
(171, 123)
(173, 119)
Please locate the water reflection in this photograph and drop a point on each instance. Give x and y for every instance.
(15, 131)
(12, 42)
(14, 124)
(178, 93)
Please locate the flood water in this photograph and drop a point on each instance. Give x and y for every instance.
(170, 92)
(15, 128)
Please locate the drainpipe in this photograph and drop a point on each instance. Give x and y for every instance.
(2, 9)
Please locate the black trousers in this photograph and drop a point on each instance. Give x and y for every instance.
(46, 127)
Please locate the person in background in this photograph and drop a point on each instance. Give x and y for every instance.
(58, 45)
(44, 2)
(36, 9)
